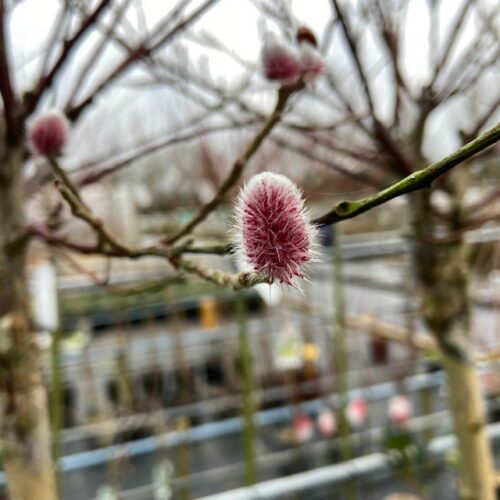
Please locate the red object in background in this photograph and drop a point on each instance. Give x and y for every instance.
(357, 412)
(326, 423)
(400, 410)
(303, 428)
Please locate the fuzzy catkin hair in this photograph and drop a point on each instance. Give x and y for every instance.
(273, 231)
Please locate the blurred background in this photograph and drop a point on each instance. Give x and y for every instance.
(166, 386)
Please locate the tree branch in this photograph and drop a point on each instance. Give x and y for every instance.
(46, 80)
(345, 210)
(145, 150)
(141, 51)
(82, 76)
(418, 180)
(240, 164)
(402, 165)
(450, 42)
(6, 87)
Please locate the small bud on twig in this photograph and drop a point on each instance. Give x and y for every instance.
(286, 64)
(48, 134)
(279, 62)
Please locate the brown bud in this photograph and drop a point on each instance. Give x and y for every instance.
(304, 34)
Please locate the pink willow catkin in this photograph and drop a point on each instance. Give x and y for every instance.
(48, 133)
(273, 231)
(286, 63)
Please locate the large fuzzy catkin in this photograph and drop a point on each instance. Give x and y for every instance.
(273, 232)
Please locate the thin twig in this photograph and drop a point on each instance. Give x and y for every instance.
(450, 41)
(86, 69)
(241, 162)
(401, 163)
(141, 152)
(141, 51)
(46, 80)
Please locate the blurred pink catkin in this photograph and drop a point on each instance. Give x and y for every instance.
(280, 63)
(48, 134)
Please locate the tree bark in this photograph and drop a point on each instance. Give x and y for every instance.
(442, 276)
(24, 425)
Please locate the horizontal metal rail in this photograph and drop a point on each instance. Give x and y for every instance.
(332, 474)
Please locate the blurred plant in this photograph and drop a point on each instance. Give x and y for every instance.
(407, 457)
(286, 64)
(279, 62)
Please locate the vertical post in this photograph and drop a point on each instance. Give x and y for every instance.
(250, 473)
(56, 404)
(46, 317)
(183, 458)
(341, 355)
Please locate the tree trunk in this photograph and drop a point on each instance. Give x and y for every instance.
(24, 425)
(442, 273)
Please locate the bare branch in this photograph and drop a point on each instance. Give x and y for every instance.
(305, 152)
(355, 56)
(58, 27)
(235, 281)
(46, 80)
(240, 164)
(344, 210)
(123, 161)
(450, 41)
(139, 52)
(418, 180)
(401, 163)
(85, 70)
(6, 86)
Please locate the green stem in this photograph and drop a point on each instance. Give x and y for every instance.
(56, 404)
(341, 357)
(183, 459)
(250, 472)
